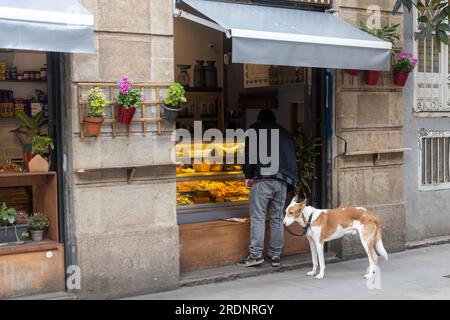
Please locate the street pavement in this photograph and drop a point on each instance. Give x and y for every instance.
(412, 274)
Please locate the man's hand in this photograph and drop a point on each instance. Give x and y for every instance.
(248, 183)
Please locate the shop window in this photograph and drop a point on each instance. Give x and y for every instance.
(434, 160)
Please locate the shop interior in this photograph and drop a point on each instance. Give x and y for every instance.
(212, 200)
(28, 174)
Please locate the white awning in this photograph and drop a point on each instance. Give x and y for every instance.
(292, 37)
(46, 25)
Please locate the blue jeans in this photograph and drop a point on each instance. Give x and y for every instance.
(267, 196)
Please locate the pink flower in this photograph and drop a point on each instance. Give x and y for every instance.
(414, 62)
(124, 85)
(404, 55)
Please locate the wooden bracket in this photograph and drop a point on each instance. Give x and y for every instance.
(130, 174)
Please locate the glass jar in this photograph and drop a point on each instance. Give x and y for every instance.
(199, 74)
(44, 72)
(211, 74)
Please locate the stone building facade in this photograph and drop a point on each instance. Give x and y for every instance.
(124, 237)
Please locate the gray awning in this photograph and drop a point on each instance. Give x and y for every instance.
(292, 37)
(46, 25)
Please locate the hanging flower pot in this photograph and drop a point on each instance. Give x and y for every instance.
(352, 72)
(403, 64)
(371, 77)
(128, 100)
(125, 115)
(172, 101)
(400, 78)
(92, 125)
(170, 114)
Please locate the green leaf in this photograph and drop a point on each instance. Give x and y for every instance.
(423, 19)
(442, 35)
(397, 6)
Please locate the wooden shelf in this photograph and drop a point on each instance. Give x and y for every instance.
(359, 153)
(193, 89)
(131, 170)
(44, 192)
(24, 81)
(210, 175)
(29, 246)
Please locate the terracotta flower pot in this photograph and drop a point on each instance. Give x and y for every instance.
(92, 126)
(371, 77)
(352, 72)
(125, 115)
(400, 78)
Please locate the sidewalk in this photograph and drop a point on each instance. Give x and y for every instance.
(412, 274)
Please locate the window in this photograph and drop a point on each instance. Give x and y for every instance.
(431, 77)
(432, 82)
(434, 160)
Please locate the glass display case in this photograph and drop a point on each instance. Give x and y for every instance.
(208, 192)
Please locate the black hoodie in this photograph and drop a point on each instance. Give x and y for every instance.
(287, 156)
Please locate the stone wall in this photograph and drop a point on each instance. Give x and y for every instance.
(124, 237)
(370, 119)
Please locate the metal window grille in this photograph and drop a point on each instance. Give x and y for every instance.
(434, 158)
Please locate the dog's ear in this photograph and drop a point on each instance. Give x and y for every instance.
(301, 197)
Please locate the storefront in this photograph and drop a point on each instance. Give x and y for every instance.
(256, 60)
(121, 220)
(32, 102)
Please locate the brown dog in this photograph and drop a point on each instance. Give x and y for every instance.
(329, 224)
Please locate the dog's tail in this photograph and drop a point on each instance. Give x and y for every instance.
(379, 243)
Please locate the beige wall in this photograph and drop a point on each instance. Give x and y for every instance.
(124, 236)
(192, 42)
(370, 118)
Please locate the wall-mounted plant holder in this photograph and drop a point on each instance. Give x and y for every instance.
(148, 116)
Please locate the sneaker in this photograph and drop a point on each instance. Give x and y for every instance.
(250, 261)
(276, 261)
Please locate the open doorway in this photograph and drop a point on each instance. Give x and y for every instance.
(212, 203)
(31, 170)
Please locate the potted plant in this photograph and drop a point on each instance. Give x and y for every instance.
(386, 33)
(38, 224)
(403, 64)
(128, 101)
(13, 227)
(92, 123)
(307, 151)
(30, 127)
(40, 146)
(172, 101)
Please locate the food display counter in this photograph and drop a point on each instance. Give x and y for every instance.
(207, 192)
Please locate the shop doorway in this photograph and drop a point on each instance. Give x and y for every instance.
(212, 202)
(33, 104)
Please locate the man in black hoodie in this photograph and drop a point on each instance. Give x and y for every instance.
(268, 173)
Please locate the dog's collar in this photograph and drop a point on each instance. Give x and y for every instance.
(308, 224)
